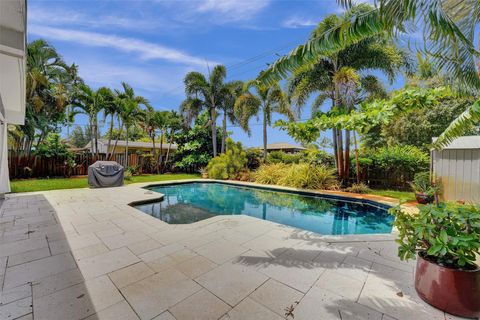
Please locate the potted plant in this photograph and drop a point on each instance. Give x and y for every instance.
(424, 189)
(446, 242)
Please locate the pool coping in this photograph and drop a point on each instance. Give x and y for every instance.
(384, 202)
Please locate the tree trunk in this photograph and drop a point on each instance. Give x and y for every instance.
(341, 166)
(116, 140)
(96, 136)
(213, 117)
(110, 138)
(161, 152)
(126, 146)
(92, 144)
(224, 131)
(335, 150)
(265, 153)
(154, 153)
(168, 152)
(357, 163)
(346, 170)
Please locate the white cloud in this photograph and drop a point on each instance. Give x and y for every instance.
(146, 50)
(298, 22)
(233, 10)
(56, 16)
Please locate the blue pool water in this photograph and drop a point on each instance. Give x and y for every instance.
(190, 202)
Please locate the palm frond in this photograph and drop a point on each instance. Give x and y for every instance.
(464, 122)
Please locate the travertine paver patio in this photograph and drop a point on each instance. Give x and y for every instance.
(86, 254)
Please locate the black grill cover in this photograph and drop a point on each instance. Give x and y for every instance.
(105, 174)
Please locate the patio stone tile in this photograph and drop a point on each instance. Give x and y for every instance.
(28, 256)
(124, 239)
(201, 305)
(78, 301)
(182, 255)
(144, 246)
(195, 266)
(160, 252)
(119, 311)
(234, 236)
(300, 275)
(89, 251)
(16, 309)
(107, 262)
(250, 310)
(355, 268)
(164, 316)
(56, 282)
(21, 246)
(38, 269)
(26, 317)
(95, 227)
(39, 218)
(220, 251)
(13, 294)
(130, 274)
(340, 284)
(194, 242)
(254, 228)
(170, 236)
(73, 243)
(268, 244)
(231, 282)
(161, 263)
(276, 296)
(381, 293)
(155, 294)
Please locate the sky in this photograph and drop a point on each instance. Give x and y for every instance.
(152, 44)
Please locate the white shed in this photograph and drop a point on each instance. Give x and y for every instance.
(458, 167)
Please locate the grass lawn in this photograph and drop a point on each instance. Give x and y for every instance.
(81, 182)
(400, 195)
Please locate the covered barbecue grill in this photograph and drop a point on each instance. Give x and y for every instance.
(103, 174)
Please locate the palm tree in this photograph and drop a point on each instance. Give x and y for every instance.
(267, 100)
(48, 80)
(153, 121)
(111, 109)
(318, 78)
(130, 112)
(449, 27)
(204, 93)
(91, 102)
(232, 92)
(174, 124)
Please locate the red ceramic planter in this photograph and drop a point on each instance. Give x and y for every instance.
(451, 290)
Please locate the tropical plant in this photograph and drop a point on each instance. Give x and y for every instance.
(194, 147)
(49, 86)
(228, 165)
(358, 188)
(51, 146)
(112, 109)
(266, 100)
(90, 102)
(154, 121)
(174, 125)
(233, 90)
(205, 94)
(130, 112)
(422, 184)
(448, 236)
(449, 28)
(302, 175)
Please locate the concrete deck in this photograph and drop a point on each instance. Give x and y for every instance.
(86, 254)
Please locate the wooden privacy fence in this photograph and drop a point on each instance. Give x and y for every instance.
(23, 166)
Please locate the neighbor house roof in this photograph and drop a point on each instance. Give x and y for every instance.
(466, 142)
(282, 146)
(134, 144)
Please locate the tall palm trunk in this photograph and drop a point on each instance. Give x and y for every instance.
(92, 143)
(110, 134)
(265, 154)
(357, 163)
(224, 131)
(96, 137)
(116, 140)
(126, 146)
(335, 148)
(161, 152)
(347, 154)
(213, 116)
(168, 152)
(340, 155)
(154, 152)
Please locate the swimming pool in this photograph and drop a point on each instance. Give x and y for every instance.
(194, 201)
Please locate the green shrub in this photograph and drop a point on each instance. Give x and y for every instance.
(269, 173)
(448, 236)
(52, 146)
(302, 175)
(358, 188)
(229, 164)
(254, 158)
(282, 157)
(311, 155)
(422, 184)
